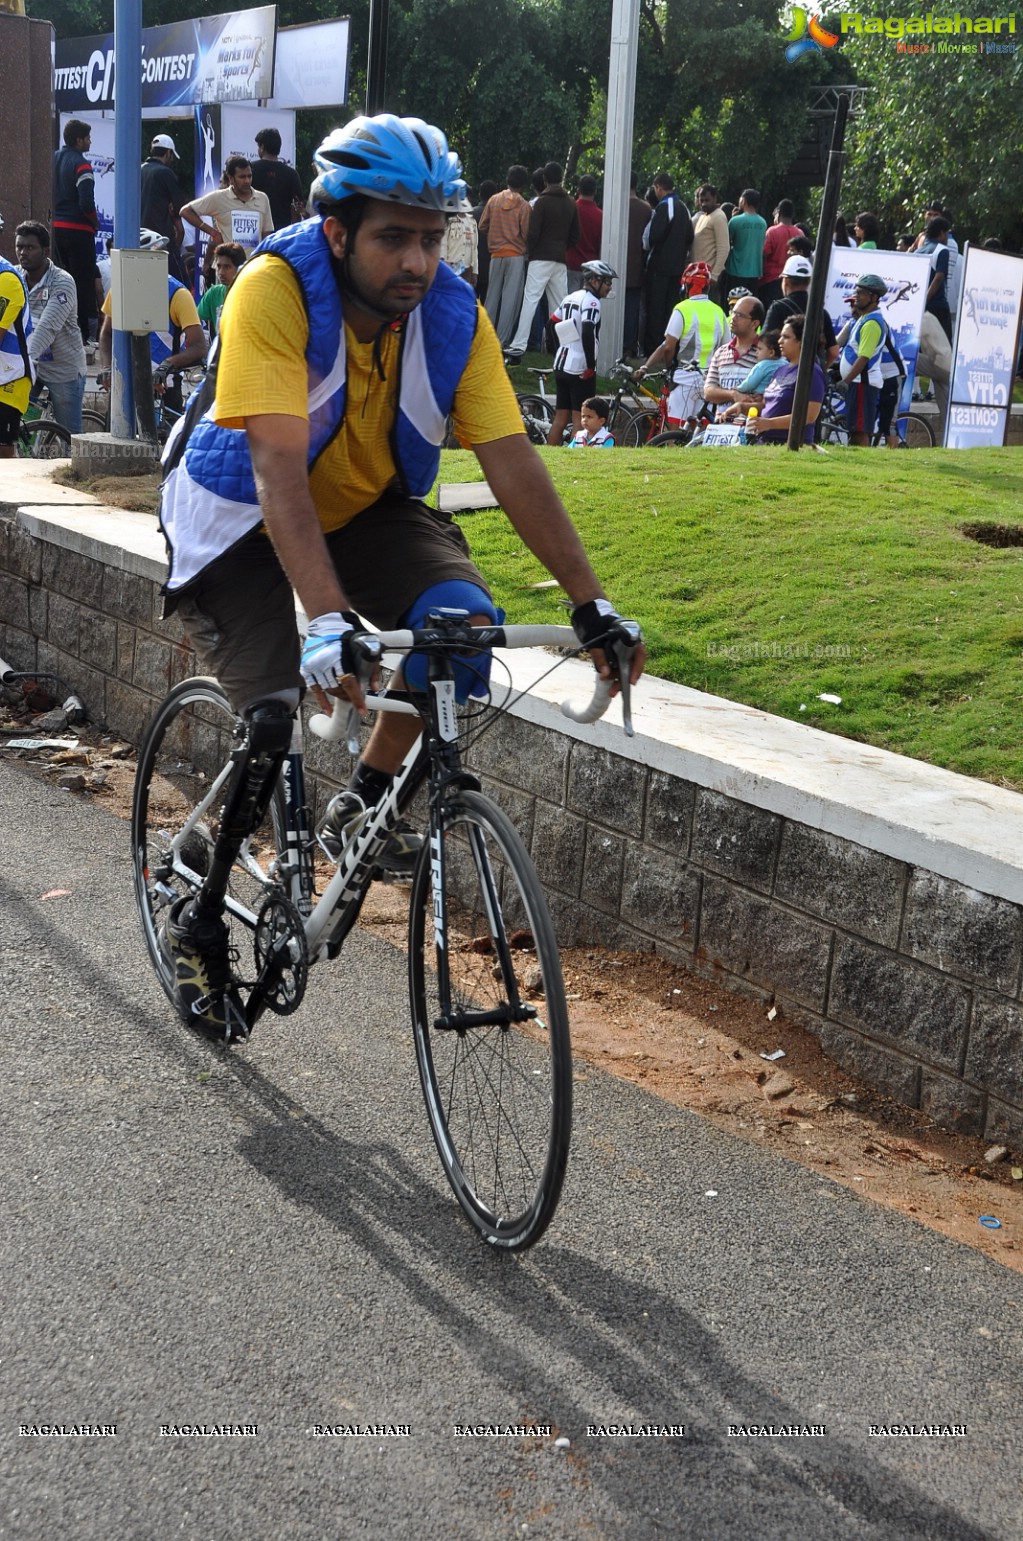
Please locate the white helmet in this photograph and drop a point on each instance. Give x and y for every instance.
(601, 270)
(151, 240)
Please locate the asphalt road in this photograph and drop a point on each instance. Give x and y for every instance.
(265, 1237)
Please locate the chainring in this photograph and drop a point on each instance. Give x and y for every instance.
(282, 955)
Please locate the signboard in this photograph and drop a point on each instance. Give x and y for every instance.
(716, 434)
(227, 58)
(986, 350)
(312, 65)
(907, 275)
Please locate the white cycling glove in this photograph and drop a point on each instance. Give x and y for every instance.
(327, 651)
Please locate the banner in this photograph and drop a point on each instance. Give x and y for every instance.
(907, 275)
(986, 349)
(227, 58)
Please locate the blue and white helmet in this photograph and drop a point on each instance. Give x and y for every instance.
(398, 160)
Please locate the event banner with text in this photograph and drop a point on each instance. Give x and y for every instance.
(228, 58)
(986, 349)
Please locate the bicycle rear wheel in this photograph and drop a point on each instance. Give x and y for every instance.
(93, 421)
(43, 439)
(491, 1023)
(175, 819)
(919, 433)
(638, 429)
(537, 415)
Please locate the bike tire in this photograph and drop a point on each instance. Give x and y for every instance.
(498, 1095)
(637, 429)
(678, 438)
(537, 416)
(194, 721)
(919, 433)
(92, 421)
(43, 439)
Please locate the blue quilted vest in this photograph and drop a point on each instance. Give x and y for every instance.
(16, 334)
(435, 344)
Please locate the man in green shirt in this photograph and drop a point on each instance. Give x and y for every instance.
(746, 232)
(227, 259)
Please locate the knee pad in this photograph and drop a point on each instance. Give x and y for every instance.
(268, 727)
(472, 670)
(257, 760)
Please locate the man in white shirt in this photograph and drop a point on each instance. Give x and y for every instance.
(235, 213)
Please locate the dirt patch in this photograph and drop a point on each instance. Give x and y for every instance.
(1000, 535)
(697, 1046)
(139, 494)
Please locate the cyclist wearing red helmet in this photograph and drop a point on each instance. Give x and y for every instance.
(696, 327)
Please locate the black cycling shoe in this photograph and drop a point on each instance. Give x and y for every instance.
(346, 813)
(204, 991)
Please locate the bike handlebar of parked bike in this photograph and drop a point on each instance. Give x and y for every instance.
(621, 642)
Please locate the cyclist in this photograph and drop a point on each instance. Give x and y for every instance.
(696, 327)
(576, 324)
(271, 484)
(172, 351)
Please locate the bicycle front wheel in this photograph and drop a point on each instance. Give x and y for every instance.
(537, 415)
(490, 1023)
(672, 438)
(43, 439)
(175, 819)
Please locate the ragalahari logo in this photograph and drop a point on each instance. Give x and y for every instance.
(808, 35)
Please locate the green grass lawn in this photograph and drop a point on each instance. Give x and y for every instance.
(772, 578)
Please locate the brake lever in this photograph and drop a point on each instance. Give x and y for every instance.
(624, 648)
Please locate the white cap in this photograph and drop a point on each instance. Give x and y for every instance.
(164, 142)
(797, 267)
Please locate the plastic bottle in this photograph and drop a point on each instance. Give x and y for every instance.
(751, 417)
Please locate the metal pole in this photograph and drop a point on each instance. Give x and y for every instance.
(127, 190)
(621, 102)
(818, 283)
(376, 62)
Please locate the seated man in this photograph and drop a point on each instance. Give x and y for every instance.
(178, 348)
(272, 486)
(732, 361)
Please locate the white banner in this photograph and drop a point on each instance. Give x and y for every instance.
(240, 125)
(907, 275)
(312, 65)
(986, 350)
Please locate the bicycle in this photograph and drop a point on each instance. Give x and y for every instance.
(41, 438)
(491, 1040)
(538, 411)
(40, 409)
(633, 426)
(913, 429)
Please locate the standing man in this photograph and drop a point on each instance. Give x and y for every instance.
(55, 344)
(694, 329)
(746, 232)
(15, 363)
(639, 213)
(710, 237)
(669, 237)
(553, 228)
(74, 218)
(591, 223)
(504, 229)
(235, 213)
(795, 289)
(162, 200)
(732, 361)
(577, 325)
(935, 247)
(776, 250)
(860, 361)
(279, 181)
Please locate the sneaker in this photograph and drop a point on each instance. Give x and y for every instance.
(204, 992)
(346, 813)
(512, 359)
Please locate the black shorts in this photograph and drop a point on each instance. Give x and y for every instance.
(572, 390)
(10, 424)
(240, 612)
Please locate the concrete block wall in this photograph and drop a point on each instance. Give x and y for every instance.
(752, 851)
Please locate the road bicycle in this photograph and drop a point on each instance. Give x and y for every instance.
(40, 438)
(538, 410)
(40, 409)
(632, 424)
(489, 1019)
(913, 429)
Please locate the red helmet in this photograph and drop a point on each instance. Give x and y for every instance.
(697, 277)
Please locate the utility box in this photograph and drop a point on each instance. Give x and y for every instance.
(138, 284)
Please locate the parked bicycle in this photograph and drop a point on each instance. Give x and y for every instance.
(538, 410)
(489, 1019)
(40, 438)
(913, 428)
